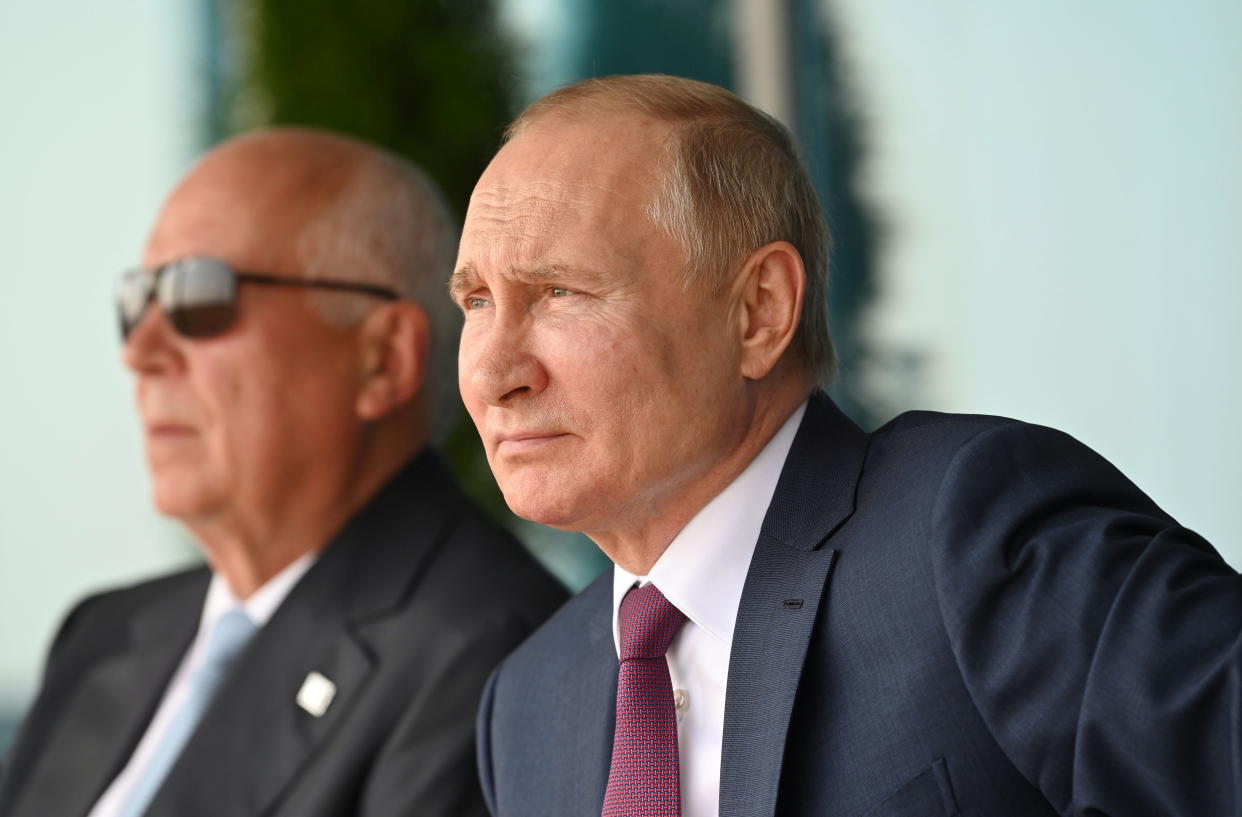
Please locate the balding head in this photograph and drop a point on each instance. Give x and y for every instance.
(313, 204)
(265, 434)
(256, 193)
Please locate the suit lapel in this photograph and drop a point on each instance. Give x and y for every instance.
(780, 602)
(99, 726)
(255, 736)
(596, 691)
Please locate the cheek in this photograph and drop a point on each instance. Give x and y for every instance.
(220, 393)
(593, 356)
(658, 399)
(254, 403)
(471, 337)
(465, 372)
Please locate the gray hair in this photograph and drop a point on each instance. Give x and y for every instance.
(390, 225)
(732, 182)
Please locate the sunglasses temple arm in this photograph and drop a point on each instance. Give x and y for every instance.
(314, 283)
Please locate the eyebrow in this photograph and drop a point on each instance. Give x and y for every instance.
(466, 277)
(462, 280)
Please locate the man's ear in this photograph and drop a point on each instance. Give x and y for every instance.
(394, 342)
(772, 286)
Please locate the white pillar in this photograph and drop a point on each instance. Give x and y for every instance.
(763, 56)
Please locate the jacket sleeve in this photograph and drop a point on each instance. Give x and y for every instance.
(1100, 641)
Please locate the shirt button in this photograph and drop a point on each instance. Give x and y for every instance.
(681, 701)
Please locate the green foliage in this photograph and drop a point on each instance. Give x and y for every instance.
(431, 80)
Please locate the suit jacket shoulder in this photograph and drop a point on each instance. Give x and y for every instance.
(102, 619)
(995, 637)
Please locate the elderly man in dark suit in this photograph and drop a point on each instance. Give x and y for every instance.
(952, 615)
(292, 361)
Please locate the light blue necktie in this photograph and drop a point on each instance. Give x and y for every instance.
(232, 632)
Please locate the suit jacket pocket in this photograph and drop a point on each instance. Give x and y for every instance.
(927, 794)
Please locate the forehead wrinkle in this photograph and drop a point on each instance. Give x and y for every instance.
(539, 207)
(503, 230)
(531, 226)
(541, 190)
(539, 199)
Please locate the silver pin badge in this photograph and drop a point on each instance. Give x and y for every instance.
(316, 693)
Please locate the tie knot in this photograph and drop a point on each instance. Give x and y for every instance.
(232, 632)
(647, 623)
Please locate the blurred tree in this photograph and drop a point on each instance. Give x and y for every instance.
(432, 80)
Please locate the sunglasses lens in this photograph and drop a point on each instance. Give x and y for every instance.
(198, 296)
(133, 293)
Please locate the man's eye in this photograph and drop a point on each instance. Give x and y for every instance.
(475, 302)
(559, 292)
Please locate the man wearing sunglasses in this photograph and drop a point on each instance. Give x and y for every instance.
(293, 356)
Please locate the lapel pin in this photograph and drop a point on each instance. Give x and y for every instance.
(792, 604)
(316, 693)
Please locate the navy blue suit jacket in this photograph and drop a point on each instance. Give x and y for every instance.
(954, 615)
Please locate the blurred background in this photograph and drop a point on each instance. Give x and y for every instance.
(1036, 210)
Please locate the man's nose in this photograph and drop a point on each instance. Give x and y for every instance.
(151, 344)
(498, 364)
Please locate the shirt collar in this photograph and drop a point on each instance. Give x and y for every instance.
(262, 603)
(703, 569)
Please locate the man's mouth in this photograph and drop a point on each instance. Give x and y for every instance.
(525, 442)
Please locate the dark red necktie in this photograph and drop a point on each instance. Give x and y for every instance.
(645, 779)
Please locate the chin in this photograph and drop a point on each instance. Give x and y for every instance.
(546, 508)
(180, 501)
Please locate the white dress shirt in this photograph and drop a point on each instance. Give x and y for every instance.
(260, 606)
(702, 573)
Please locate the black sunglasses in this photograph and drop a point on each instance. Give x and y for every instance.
(198, 293)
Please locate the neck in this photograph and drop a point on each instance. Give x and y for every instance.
(637, 547)
(249, 546)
